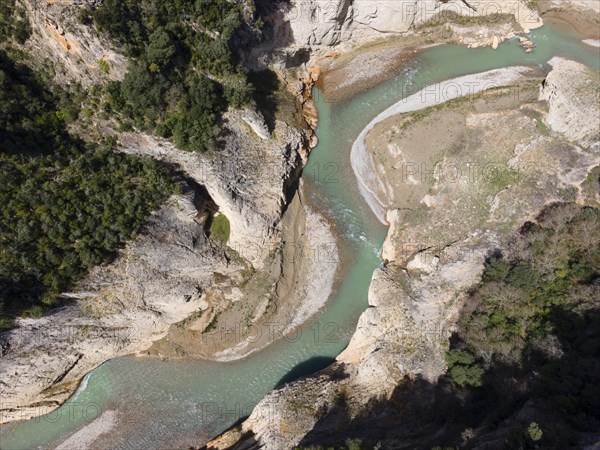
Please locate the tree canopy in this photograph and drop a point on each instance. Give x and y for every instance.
(66, 205)
(184, 73)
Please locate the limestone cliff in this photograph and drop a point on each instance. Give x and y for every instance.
(161, 276)
(306, 26)
(74, 51)
(573, 95)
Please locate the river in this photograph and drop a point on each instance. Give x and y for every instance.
(167, 404)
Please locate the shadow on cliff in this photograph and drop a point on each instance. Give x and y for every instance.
(558, 395)
(310, 366)
(266, 85)
(524, 360)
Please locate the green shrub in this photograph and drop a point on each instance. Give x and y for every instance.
(462, 368)
(104, 66)
(534, 431)
(353, 444)
(340, 399)
(522, 275)
(496, 270)
(220, 228)
(212, 324)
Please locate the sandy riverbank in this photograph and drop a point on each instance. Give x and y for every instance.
(363, 165)
(310, 266)
(85, 437)
(584, 23)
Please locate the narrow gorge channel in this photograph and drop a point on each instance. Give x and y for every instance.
(134, 402)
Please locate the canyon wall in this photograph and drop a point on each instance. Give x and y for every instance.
(305, 28)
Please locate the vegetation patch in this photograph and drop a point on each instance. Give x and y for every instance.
(104, 66)
(183, 73)
(220, 228)
(13, 22)
(530, 330)
(212, 324)
(449, 16)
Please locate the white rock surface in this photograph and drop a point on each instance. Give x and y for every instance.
(573, 95)
(257, 122)
(315, 23)
(247, 177)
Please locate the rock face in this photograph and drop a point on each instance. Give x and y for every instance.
(250, 178)
(435, 252)
(573, 95)
(315, 23)
(257, 123)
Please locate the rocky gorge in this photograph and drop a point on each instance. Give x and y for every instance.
(432, 257)
(174, 277)
(173, 271)
(436, 247)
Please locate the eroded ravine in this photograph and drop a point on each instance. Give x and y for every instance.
(145, 402)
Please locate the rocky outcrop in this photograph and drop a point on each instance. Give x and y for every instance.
(573, 95)
(304, 31)
(78, 52)
(158, 279)
(343, 22)
(436, 251)
(373, 185)
(249, 178)
(346, 23)
(583, 5)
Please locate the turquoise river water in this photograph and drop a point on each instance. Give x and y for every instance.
(169, 404)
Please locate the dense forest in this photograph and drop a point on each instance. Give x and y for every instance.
(66, 205)
(69, 205)
(183, 72)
